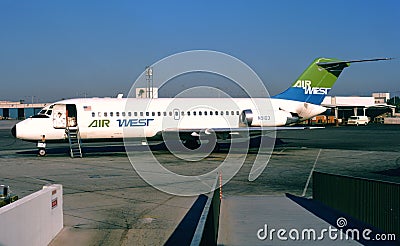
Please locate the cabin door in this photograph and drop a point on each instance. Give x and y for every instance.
(59, 116)
(72, 115)
(64, 115)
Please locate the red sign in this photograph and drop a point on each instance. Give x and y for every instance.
(54, 203)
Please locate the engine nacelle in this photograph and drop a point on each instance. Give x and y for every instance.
(248, 118)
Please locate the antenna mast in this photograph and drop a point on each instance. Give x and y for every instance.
(149, 79)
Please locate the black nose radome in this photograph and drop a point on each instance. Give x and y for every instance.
(14, 131)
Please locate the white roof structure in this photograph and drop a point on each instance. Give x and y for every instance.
(352, 101)
(8, 104)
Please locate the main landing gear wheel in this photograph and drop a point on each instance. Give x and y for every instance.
(42, 152)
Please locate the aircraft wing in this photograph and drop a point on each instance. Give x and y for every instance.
(223, 133)
(243, 129)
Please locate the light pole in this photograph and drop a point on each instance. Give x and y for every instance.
(149, 79)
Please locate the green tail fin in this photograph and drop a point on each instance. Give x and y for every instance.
(315, 82)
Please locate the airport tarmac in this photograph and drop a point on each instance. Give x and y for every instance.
(107, 203)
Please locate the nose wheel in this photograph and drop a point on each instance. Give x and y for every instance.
(42, 152)
(41, 148)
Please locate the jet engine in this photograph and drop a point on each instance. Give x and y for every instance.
(249, 118)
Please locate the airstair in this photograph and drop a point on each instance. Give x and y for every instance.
(74, 141)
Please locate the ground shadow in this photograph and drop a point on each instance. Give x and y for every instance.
(111, 150)
(184, 233)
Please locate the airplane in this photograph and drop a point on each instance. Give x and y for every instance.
(113, 119)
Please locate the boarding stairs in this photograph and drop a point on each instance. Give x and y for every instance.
(74, 141)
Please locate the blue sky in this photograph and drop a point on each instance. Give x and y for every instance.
(63, 49)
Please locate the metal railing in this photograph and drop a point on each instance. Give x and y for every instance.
(207, 229)
(371, 201)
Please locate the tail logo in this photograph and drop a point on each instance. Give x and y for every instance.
(308, 90)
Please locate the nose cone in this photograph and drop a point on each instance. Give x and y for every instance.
(14, 131)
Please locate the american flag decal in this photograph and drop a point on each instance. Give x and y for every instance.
(87, 108)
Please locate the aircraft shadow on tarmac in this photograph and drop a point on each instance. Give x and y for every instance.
(112, 150)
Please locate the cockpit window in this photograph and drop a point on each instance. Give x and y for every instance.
(40, 116)
(49, 112)
(43, 111)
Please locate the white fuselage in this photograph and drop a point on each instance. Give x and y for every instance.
(116, 118)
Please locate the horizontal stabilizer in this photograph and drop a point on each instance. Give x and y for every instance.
(323, 64)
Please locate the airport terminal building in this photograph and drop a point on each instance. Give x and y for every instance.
(19, 110)
(342, 108)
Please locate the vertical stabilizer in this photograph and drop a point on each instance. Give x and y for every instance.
(315, 82)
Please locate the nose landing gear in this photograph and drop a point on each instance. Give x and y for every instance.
(41, 145)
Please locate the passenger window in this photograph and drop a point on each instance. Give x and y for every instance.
(105, 114)
(188, 113)
(194, 113)
(222, 112)
(93, 114)
(183, 113)
(135, 113)
(159, 113)
(153, 113)
(123, 114)
(216, 112)
(227, 112)
(237, 112)
(117, 114)
(129, 114)
(147, 113)
(200, 113)
(99, 114)
(111, 114)
(211, 112)
(141, 113)
(176, 113)
(205, 112)
(165, 113)
(170, 113)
